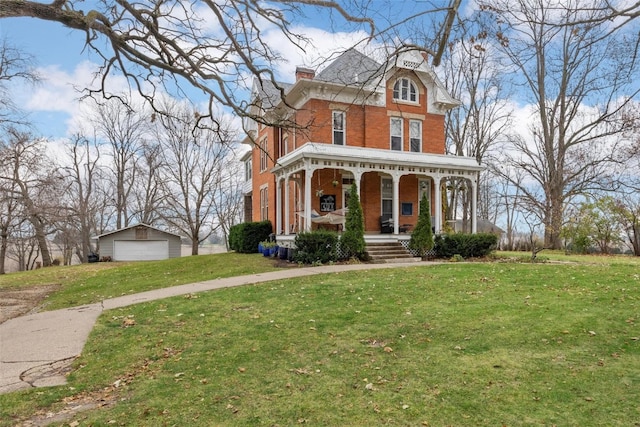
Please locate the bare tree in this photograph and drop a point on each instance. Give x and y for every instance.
(8, 212)
(472, 74)
(148, 189)
(123, 129)
(228, 201)
(31, 182)
(579, 80)
(82, 173)
(14, 65)
(193, 161)
(211, 45)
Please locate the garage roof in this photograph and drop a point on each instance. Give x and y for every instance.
(134, 226)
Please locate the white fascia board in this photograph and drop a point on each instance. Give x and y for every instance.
(359, 154)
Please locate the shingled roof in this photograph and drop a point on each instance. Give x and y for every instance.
(268, 93)
(352, 67)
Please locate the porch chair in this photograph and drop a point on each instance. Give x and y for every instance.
(386, 225)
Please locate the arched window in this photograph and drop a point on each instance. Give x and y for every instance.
(405, 90)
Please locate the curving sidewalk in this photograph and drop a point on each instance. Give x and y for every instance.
(36, 350)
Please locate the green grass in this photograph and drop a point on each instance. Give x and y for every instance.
(91, 283)
(562, 256)
(452, 344)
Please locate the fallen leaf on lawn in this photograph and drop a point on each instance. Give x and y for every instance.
(388, 350)
(128, 322)
(592, 333)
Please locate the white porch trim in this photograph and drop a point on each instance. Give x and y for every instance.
(357, 160)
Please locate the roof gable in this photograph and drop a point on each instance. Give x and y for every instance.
(134, 226)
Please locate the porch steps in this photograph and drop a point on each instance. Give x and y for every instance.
(383, 252)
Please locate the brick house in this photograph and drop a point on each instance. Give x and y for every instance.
(357, 121)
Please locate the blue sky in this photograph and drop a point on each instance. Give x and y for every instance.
(63, 62)
(57, 52)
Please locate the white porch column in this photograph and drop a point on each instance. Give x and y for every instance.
(396, 202)
(308, 174)
(357, 176)
(287, 213)
(474, 205)
(438, 204)
(278, 206)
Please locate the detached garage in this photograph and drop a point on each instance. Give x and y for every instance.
(139, 243)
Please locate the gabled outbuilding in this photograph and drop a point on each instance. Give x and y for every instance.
(139, 242)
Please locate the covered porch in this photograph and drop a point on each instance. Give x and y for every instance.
(315, 180)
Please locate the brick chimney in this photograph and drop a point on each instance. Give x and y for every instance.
(304, 73)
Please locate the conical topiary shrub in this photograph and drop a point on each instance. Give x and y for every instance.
(422, 236)
(352, 239)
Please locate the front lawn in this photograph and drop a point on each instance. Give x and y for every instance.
(432, 345)
(92, 283)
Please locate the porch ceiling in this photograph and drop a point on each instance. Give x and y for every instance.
(320, 156)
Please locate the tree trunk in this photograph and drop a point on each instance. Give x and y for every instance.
(41, 238)
(3, 249)
(194, 246)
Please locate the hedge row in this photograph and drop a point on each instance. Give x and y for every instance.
(465, 245)
(244, 238)
(319, 246)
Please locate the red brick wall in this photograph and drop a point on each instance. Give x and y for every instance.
(366, 126)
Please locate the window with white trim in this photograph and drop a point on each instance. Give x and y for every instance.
(415, 136)
(405, 90)
(386, 193)
(264, 203)
(338, 120)
(396, 133)
(248, 170)
(264, 155)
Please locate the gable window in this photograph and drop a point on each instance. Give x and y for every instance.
(338, 127)
(405, 90)
(264, 156)
(415, 136)
(396, 133)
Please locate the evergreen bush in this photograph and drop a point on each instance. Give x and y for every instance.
(318, 246)
(422, 237)
(352, 241)
(244, 238)
(465, 245)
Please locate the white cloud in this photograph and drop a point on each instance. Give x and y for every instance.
(322, 44)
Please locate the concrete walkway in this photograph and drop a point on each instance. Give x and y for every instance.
(36, 350)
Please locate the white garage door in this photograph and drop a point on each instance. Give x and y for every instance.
(138, 250)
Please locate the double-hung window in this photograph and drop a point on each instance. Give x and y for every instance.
(396, 133)
(386, 196)
(264, 203)
(247, 170)
(415, 136)
(338, 121)
(264, 155)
